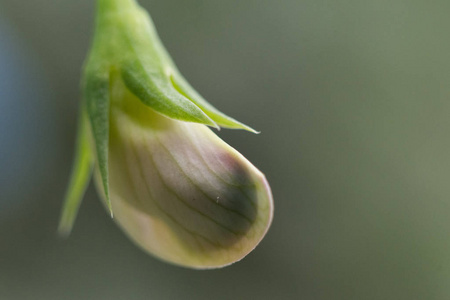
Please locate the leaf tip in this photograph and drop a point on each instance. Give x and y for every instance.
(108, 201)
(64, 229)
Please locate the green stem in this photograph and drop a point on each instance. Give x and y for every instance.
(115, 5)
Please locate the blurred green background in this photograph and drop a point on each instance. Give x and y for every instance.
(352, 98)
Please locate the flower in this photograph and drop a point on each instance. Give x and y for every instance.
(175, 188)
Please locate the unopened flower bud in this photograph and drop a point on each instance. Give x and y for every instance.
(173, 186)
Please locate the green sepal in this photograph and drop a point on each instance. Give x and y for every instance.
(183, 87)
(96, 94)
(150, 73)
(147, 68)
(156, 91)
(79, 178)
(127, 41)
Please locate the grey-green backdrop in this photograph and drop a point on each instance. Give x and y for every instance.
(351, 97)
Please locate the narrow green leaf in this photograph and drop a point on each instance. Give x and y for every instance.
(184, 88)
(79, 178)
(97, 100)
(156, 91)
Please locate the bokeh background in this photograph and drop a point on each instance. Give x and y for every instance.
(351, 97)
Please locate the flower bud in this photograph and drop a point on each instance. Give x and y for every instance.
(179, 191)
(175, 188)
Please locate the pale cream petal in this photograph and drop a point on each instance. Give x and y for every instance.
(180, 192)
